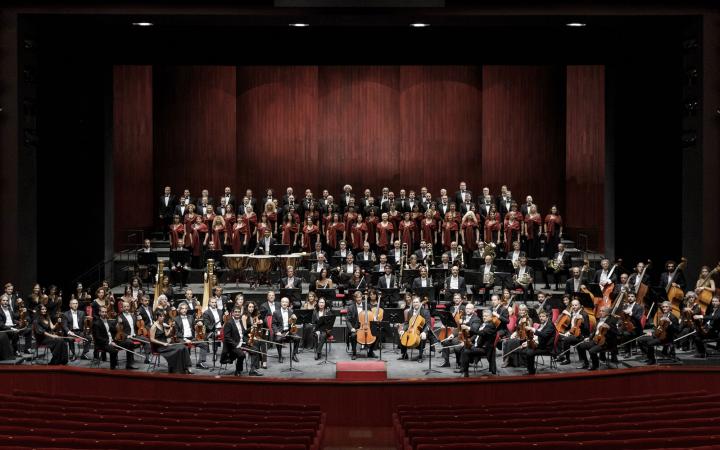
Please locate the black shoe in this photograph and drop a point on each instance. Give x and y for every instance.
(565, 362)
(700, 355)
(583, 366)
(202, 366)
(403, 357)
(353, 357)
(131, 368)
(466, 375)
(280, 360)
(371, 355)
(317, 356)
(295, 358)
(254, 373)
(593, 368)
(445, 364)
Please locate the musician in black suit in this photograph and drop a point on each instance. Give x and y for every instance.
(606, 274)
(290, 281)
(524, 273)
(500, 311)
(562, 262)
(636, 280)
(672, 278)
(185, 326)
(345, 198)
(464, 312)
(234, 337)
(487, 272)
(73, 323)
(423, 281)
(321, 336)
(455, 283)
(166, 208)
(265, 245)
(103, 337)
(462, 193)
(424, 253)
(282, 329)
(575, 282)
(353, 324)
(605, 321)
(580, 323)
(127, 319)
(366, 254)
(482, 335)
(229, 198)
(388, 280)
(9, 324)
(636, 313)
(710, 330)
(269, 307)
(343, 252)
(416, 309)
(545, 334)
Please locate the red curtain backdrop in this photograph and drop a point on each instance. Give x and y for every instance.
(132, 149)
(523, 141)
(585, 158)
(370, 126)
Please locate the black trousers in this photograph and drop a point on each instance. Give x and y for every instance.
(85, 344)
(700, 340)
(566, 343)
(291, 339)
(320, 341)
(590, 347)
(530, 354)
(352, 337)
(647, 345)
(469, 354)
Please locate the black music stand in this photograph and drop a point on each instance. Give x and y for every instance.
(431, 346)
(391, 296)
(476, 262)
(428, 292)
(504, 265)
(394, 316)
(293, 294)
(505, 279)
(595, 289)
(180, 259)
(374, 277)
(364, 264)
(328, 294)
(324, 324)
(408, 276)
(539, 267)
(337, 261)
(279, 249)
(215, 255)
(555, 302)
(438, 274)
(147, 259)
(378, 329)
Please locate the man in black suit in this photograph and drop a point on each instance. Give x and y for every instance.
(578, 319)
(636, 313)
(455, 283)
(388, 280)
(185, 326)
(265, 245)
(525, 207)
(318, 266)
(353, 324)
(423, 281)
(186, 199)
(504, 202)
(671, 278)
(73, 323)
(575, 282)
(167, 208)
(290, 281)
(371, 206)
(345, 198)
(12, 297)
(563, 262)
(500, 312)
(282, 330)
(289, 192)
(269, 307)
(380, 266)
(10, 326)
(342, 253)
(229, 198)
(416, 309)
(204, 205)
(213, 320)
(636, 280)
(234, 338)
(252, 201)
(711, 328)
(458, 307)
(482, 335)
(307, 201)
(487, 271)
(524, 278)
(466, 205)
(103, 338)
(127, 319)
(443, 206)
(608, 322)
(545, 333)
(606, 274)
(462, 194)
(318, 251)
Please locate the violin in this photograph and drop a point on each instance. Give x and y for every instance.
(601, 334)
(524, 334)
(140, 327)
(293, 324)
(576, 329)
(199, 330)
(120, 332)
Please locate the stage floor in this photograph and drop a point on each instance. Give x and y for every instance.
(309, 368)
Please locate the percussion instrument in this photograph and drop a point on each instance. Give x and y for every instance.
(261, 265)
(237, 262)
(293, 259)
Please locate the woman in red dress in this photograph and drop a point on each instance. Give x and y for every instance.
(553, 231)
(229, 216)
(372, 222)
(310, 235)
(532, 228)
(240, 236)
(290, 230)
(250, 219)
(470, 232)
(313, 214)
(384, 234)
(209, 216)
(271, 213)
(261, 227)
(512, 230)
(177, 233)
(428, 229)
(349, 217)
(198, 231)
(189, 219)
(492, 226)
(335, 232)
(358, 233)
(217, 233)
(327, 219)
(394, 216)
(406, 231)
(451, 226)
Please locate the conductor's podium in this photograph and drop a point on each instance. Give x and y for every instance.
(361, 370)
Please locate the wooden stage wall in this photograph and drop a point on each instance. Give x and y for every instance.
(539, 129)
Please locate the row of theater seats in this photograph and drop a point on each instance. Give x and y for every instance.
(687, 420)
(36, 420)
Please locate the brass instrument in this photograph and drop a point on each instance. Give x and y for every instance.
(524, 280)
(403, 260)
(460, 257)
(489, 278)
(159, 277)
(516, 263)
(489, 250)
(208, 284)
(554, 265)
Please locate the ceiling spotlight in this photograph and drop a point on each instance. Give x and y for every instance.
(575, 24)
(419, 25)
(300, 25)
(142, 24)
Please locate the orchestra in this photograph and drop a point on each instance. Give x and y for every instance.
(454, 249)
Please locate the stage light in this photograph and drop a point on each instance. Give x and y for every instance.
(419, 25)
(142, 24)
(300, 25)
(575, 24)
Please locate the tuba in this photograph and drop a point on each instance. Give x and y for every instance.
(489, 250)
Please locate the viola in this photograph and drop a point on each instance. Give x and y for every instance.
(601, 334)
(140, 326)
(199, 330)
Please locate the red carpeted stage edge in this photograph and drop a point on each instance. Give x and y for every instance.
(357, 403)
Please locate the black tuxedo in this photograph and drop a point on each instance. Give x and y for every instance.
(503, 207)
(679, 279)
(265, 309)
(231, 200)
(459, 198)
(525, 210)
(382, 283)
(344, 201)
(443, 209)
(297, 283)
(67, 320)
(281, 335)
(570, 285)
(633, 278)
(232, 337)
(465, 207)
(146, 315)
(462, 288)
(260, 248)
(613, 277)
(103, 342)
(417, 283)
(209, 320)
(166, 211)
(181, 210)
(482, 336)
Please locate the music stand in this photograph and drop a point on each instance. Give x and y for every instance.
(539, 267)
(293, 294)
(324, 324)
(555, 302)
(279, 249)
(428, 292)
(438, 274)
(183, 257)
(505, 279)
(365, 264)
(378, 328)
(408, 276)
(430, 370)
(504, 265)
(390, 295)
(595, 289)
(394, 316)
(476, 262)
(336, 261)
(215, 255)
(328, 294)
(303, 317)
(147, 259)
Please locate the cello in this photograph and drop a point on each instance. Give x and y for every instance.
(411, 338)
(705, 296)
(607, 290)
(363, 334)
(642, 288)
(674, 294)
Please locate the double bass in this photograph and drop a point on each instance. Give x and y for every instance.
(674, 294)
(705, 296)
(363, 334)
(607, 290)
(642, 289)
